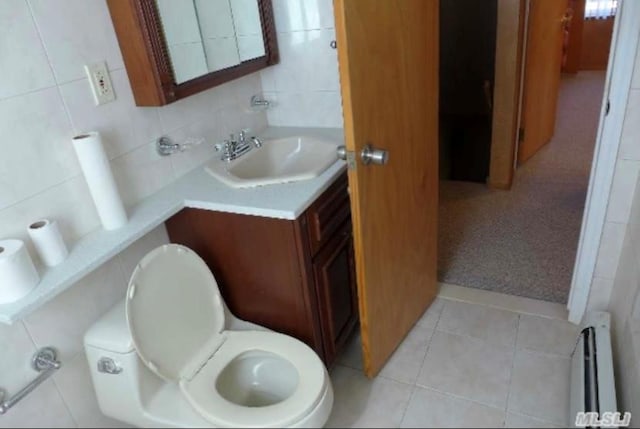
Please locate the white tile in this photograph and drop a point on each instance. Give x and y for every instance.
(610, 248)
(75, 33)
(36, 138)
(629, 147)
(16, 351)
(62, 323)
(431, 409)
(547, 335)
(310, 109)
(215, 19)
(540, 386)
(69, 203)
(122, 125)
(360, 402)
(351, 356)
(140, 173)
(600, 294)
(430, 317)
(74, 383)
(221, 53)
(307, 62)
(520, 421)
(296, 15)
(405, 363)
(131, 256)
(624, 185)
(44, 407)
(179, 21)
(625, 288)
(23, 63)
(468, 368)
(184, 162)
(251, 47)
(494, 326)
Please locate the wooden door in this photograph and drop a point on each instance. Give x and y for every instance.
(543, 62)
(388, 55)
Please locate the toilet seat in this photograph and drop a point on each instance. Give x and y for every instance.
(204, 397)
(176, 318)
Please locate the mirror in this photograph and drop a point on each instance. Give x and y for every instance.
(173, 49)
(205, 36)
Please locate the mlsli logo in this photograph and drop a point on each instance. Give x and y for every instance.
(608, 419)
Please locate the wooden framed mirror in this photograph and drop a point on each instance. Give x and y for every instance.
(176, 48)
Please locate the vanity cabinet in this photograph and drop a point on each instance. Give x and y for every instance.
(293, 276)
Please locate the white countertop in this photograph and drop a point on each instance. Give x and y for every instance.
(197, 189)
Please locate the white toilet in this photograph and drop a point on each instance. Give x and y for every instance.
(172, 355)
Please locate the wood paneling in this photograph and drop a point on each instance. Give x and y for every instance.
(327, 214)
(596, 42)
(574, 44)
(542, 75)
(388, 56)
(509, 42)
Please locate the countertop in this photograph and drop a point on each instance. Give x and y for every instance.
(197, 189)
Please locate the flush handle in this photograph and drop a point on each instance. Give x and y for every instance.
(371, 155)
(108, 366)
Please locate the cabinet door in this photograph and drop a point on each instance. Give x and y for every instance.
(334, 271)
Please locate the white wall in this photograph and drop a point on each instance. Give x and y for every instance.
(305, 85)
(625, 310)
(44, 100)
(620, 200)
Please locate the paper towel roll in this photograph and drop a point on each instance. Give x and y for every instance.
(17, 273)
(97, 173)
(48, 241)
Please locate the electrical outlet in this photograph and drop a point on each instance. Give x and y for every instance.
(100, 82)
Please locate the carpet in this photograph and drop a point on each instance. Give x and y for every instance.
(523, 242)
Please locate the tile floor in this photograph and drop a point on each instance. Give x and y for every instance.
(463, 365)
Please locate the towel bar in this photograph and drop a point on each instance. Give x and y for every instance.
(45, 362)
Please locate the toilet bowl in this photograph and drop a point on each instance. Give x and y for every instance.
(172, 355)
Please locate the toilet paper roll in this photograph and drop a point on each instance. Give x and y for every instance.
(97, 173)
(18, 275)
(48, 241)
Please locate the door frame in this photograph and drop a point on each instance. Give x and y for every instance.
(620, 70)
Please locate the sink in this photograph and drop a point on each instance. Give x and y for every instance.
(282, 160)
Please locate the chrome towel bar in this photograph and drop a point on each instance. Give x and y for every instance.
(46, 363)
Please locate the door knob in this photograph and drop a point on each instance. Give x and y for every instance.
(342, 152)
(371, 155)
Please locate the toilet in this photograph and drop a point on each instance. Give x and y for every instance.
(172, 355)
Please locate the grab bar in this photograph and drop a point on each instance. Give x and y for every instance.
(45, 362)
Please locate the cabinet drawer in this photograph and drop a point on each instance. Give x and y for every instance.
(328, 213)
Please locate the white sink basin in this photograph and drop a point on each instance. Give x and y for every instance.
(289, 159)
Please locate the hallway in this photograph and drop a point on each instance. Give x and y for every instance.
(523, 242)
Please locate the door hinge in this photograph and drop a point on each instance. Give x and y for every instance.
(520, 134)
(606, 111)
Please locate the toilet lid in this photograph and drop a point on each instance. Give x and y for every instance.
(174, 311)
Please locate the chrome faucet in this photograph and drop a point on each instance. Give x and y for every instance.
(233, 149)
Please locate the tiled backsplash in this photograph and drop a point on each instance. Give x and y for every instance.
(305, 86)
(45, 99)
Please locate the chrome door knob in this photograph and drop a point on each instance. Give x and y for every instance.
(371, 155)
(342, 152)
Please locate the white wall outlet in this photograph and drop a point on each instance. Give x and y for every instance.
(100, 82)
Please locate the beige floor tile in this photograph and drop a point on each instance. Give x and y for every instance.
(520, 421)
(468, 368)
(540, 386)
(547, 335)
(360, 402)
(430, 317)
(407, 360)
(431, 409)
(494, 326)
(352, 354)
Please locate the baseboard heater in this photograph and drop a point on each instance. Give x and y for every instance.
(592, 380)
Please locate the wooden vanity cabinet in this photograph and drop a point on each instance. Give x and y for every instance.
(295, 277)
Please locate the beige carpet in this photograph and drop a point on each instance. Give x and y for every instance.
(523, 242)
